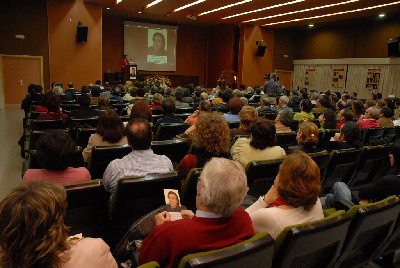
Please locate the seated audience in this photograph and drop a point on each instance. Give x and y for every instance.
(283, 103)
(307, 138)
(53, 106)
(110, 131)
(222, 102)
(357, 107)
(218, 221)
(157, 101)
(33, 233)
(168, 108)
(248, 115)
(141, 160)
(260, 146)
(327, 120)
(349, 137)
(283, 120)
(34, 95)
(95, 92)
(141, 109)
(204, 107)
(104, 101)
(235, 105)
(321, 106)
(84, 108)
(268, 105)
(385, 119)
(211, 139)
(345, 115)
(305, 114)
(373, 191)
(55, 149)
(179, 94)
(370, 118)
(293, 199)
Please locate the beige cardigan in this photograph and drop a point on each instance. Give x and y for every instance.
(97, 140)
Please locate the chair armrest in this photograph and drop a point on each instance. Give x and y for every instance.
(343, 204)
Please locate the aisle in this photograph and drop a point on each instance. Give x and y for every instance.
(10, 161)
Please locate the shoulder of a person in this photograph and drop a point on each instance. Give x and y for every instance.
(92, 245)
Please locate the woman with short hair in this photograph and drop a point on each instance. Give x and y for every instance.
(33, 233)
(248, 115)
(292, 199)
(110, 131)
(307, 138)
(260, 146)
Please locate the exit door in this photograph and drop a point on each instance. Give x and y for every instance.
(18, 73)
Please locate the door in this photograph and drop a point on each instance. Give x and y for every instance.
(18, 73)
(285, 78)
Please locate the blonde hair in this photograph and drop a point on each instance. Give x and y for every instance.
(248, 115)
(309, 134)
(212, 133)
(32, 230)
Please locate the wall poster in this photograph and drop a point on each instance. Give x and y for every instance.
(373, 79)
(339, 77)
(309, 78)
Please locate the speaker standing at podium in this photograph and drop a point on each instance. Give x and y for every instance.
(124, 62)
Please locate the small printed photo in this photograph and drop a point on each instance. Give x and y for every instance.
(172, 200)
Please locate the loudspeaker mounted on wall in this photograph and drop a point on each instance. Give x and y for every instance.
(394, 47)
(81, 32)
(260, 49)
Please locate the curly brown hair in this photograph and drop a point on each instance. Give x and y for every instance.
(32, 230)
(212, 133)
(299, 180)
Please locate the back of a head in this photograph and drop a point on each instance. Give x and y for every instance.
(110, 126)
(387, 112)
(286, 117)
(284, 99)
(205, 106)
(141, 110)
(226, 95)
(299, 180)
(167, 92)
(347, 114)
(248, 115)
(374, 112)
(54, 149)
(57, 90)
(38, 89)
(140, 92)
(70, 85)
(157, 99)
(168, 105)
(235, 105)
(306, 105)
(32, 230)
(357, 106)
(31, 88)
(204, 96)
(84, 100)
(138, 132)
(95, 91)
(323, 102)
(262, 133)
(179, 93)
(223, 186)
(309, 134)
(330, 119)
(52, 102)
(351, 132)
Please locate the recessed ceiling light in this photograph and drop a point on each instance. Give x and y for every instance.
(311, 25)
(302, 10)
(334, 14)
(189, 5)
(119, 1)
(108, 8)
(224, 7)
(262, 9)
(155, 2)
(382, 15)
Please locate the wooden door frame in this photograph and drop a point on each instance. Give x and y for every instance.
(2, 95)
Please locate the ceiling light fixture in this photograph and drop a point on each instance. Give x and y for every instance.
(382, 15)
(119, 1)
(189, 5)
(155, 2)
(262, 9)
(303, 10)
(107, 8)
(310, 25)
(224, 7)
(334, 14)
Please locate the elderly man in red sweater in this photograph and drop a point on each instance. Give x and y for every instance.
(370, 119)
(218, 221)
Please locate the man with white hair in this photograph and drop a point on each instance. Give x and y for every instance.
(218, 221)
(283, 103)
(370, 119)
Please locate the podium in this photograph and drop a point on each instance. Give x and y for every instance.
(129, 72)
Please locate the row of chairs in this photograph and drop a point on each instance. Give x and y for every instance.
(342, 239)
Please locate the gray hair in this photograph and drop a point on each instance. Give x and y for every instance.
(205, 105)
(286, 117)
(374, 112)
(204, 96)
(269, 101)
(224, 186)
(284, 99)
(57, 90)
(244, 100)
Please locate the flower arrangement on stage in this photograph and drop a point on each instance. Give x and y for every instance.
(157, 80)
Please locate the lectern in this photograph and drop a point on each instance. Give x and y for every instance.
(129, 72)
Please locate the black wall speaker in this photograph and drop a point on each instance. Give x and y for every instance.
(81, 33)
(394, 47)
(260, 49)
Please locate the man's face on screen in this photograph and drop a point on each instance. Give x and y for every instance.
(158, 42)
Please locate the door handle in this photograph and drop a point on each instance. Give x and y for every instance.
(21, 82)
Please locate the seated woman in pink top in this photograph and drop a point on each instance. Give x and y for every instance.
(33, 233)
(55, 149)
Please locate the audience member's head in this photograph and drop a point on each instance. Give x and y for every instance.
(95, 91)
(262, 134)
(204, 96)
(53, 103)
(226, 96)
(369, 103)
(38, 89)
(306, 105)
(110, 126)
(140, 92)
(32, 230)
(386, 112)
(179, 93)
(307, 134)
(205, 106)
(70, 85)
(328, 119)
(57, 90)
(346, 114)
(285, 116)
(54, 149)
(248, 115)
(168, 105)
(350, 133)
(235, 105)
(31, 88)
(283, 101)
(167, 92)
(141, 109)
(84, 100)
(222, 186)
(138, 132)
(104, 100)
(298, 181)
(357, 107)
(372, 112)
(157, 99)
(212, 133)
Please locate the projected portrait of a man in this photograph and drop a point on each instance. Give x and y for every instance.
(158, 47)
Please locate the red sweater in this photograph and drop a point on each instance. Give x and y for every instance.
(169, 242)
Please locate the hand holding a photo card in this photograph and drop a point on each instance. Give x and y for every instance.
(162, 217)
(187, 214)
